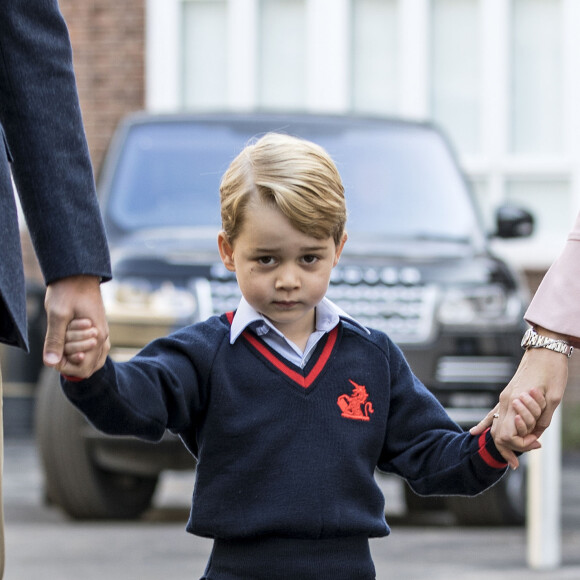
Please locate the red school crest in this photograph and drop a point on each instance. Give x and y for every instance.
(356, 406)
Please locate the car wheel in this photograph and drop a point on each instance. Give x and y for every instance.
(73, 479)
(502, 505)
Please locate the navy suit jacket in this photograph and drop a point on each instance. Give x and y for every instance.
(42, 141)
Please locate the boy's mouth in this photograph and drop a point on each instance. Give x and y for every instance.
(285, 304)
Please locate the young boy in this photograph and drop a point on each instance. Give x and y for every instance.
(288, 404)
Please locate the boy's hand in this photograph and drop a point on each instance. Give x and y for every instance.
(528, 408)
(80, 338)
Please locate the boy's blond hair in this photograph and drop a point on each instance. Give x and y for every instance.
(296, 176)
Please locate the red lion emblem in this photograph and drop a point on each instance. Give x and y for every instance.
(356, 405)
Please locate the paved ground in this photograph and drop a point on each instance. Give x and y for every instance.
(44, 544)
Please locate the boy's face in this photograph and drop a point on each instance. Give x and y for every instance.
(281, 272)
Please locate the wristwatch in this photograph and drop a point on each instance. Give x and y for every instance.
(532, 339)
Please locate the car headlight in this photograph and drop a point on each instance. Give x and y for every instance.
(138, 300)
(486, 305)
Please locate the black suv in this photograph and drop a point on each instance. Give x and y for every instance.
(416, 265)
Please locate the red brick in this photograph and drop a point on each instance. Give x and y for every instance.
(108, 39)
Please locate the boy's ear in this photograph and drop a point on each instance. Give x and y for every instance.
(226, 252)
(339, 249)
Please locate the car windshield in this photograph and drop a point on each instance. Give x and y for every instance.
(400, 180)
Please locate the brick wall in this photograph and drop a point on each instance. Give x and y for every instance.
(108, 39)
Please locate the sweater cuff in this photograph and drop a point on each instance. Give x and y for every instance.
(77, 388)
(71, 379)
(488, 451)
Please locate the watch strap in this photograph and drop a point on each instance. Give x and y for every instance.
(534, 340)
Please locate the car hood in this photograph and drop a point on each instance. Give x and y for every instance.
(196, 244)
(176, 245)
(163, 251)
(408, 248)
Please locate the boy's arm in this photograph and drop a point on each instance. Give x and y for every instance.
(110, 401)
(424, 446)
(163, 387)
(434, 455)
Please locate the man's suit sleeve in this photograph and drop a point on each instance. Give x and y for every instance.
(41, 117)
(555, 305)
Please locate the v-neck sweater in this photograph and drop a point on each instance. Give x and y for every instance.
(285, 452)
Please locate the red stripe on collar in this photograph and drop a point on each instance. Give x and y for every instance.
(303, 381)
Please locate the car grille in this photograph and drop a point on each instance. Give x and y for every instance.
(375, 298)
(405, 313)
(454, 370)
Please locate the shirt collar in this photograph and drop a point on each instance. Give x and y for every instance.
(328, 315)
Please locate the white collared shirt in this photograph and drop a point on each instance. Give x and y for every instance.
(328, 315)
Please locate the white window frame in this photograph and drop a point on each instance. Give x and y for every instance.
(496, 165)
(162, 55)
(328, 66)
(164, 59)
(328, 73)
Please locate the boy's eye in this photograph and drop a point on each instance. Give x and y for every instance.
(266, 260)
(309, 259)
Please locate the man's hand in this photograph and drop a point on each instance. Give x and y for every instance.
(75, 297)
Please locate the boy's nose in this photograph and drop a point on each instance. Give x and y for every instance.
(287, 279)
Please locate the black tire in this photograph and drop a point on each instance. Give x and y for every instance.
(502, 505)
(73, 479)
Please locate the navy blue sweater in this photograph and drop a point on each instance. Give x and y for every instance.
(282, 451)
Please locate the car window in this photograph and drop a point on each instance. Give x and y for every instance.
(400, 180)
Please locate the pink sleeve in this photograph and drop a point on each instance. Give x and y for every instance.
(556, 304)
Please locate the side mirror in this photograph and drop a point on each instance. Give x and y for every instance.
(513, 222)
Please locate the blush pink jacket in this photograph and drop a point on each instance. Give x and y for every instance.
(556, 304)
